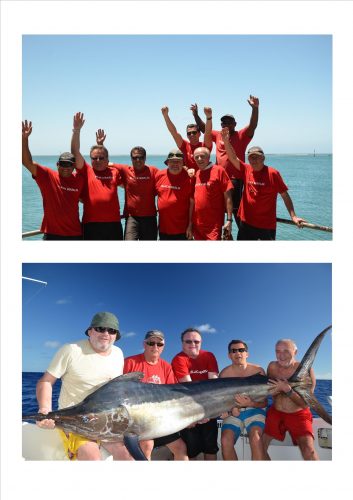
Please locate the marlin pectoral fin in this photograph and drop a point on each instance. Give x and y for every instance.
(132, 444)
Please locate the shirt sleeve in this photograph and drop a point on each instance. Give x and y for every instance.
(61, 361)
(279, 183)
(243, 136)
(212, 363)
(180, 367)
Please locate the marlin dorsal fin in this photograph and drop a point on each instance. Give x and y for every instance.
(137, 376)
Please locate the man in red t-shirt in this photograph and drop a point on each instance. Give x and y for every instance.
(195, 364)
(60, 190)
(239, 140)
(101, 209)
(175, 203)
(212, 197)
(187, 146)
(156, 371)
(262, 184)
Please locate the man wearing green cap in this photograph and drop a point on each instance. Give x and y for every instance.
(83, 366)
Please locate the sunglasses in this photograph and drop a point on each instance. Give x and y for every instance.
(241, 349)
(100, 158)
(197, 342)
(137, 158)
(102, 329)
(66, 164)
(175, 155)
(158, 344)
(193, 132)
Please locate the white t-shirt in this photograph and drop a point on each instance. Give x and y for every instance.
(82, 370)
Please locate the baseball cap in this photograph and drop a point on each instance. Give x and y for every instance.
(227, 117)
(67, 157)
(256, 150)
(154, 333)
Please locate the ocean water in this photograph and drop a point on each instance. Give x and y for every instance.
(308, 178)
(323, 389)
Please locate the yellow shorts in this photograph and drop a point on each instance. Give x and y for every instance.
(72, 442)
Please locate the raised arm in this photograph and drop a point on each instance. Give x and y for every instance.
(254, 118)
(208, 130)
(44, 393)
(171, 127)
(290, 207)
(75, 139)
(198, 120)
(229, 148)
(26, 154)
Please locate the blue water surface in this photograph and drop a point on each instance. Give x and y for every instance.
(308, 177)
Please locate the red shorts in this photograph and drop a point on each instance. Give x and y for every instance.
(297, 424)
(207, 232)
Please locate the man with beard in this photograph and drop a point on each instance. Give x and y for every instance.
(84, 366)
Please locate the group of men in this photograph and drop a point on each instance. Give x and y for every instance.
(194, 196)
(85, 365)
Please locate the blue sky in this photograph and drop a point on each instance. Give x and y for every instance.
(121, 82)
(259, 303)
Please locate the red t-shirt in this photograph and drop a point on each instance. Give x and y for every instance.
(258, 204)
(60, 202)
(209, 189)
(139, 190)
(197, 368)
(188, 150)
(174, 193)
(100, 196)
(161, 373)
(239, 140)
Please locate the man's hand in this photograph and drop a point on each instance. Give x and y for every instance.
(227, 230)
(278, 385)
(26, 129)
(298, 221)
(189, 234)
(100, 137)
(225, 134)
(253, 101)
(194, 109)
(165, 110)
(48, 423)
(243, 400)
(208, 112)
(78, 121)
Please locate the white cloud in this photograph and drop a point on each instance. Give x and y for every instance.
(52, 344)
(206, 328)
(63, 301)
(129, 334)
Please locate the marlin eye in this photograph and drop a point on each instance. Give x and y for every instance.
(85, 419)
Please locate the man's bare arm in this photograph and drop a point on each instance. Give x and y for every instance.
(171, 127)
(254, 118)
(198, 120)
(208, 130)
(27, 160)
(44, 393)
(78, 123)
(290, 207)
(229, 148)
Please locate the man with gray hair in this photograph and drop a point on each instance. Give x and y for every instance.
(289, 412)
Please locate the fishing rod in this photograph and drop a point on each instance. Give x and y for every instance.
(309, 225)
(37, 281)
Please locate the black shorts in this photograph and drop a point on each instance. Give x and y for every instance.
(102, 231)
(172, 237)
(201, 439)
(141, 228)
(163, 441)
(251, 233)
(49, 236)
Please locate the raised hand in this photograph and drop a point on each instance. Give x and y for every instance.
(208, 112)
(100, 137)
(194, 109)
(78, 121)
(26, 129)
(225, 134)
(165, 110)
(253, 101)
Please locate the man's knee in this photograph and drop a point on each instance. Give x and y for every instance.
(307, 448)
(89, 451)
(227, 438)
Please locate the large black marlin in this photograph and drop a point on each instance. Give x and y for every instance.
(124, 409)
